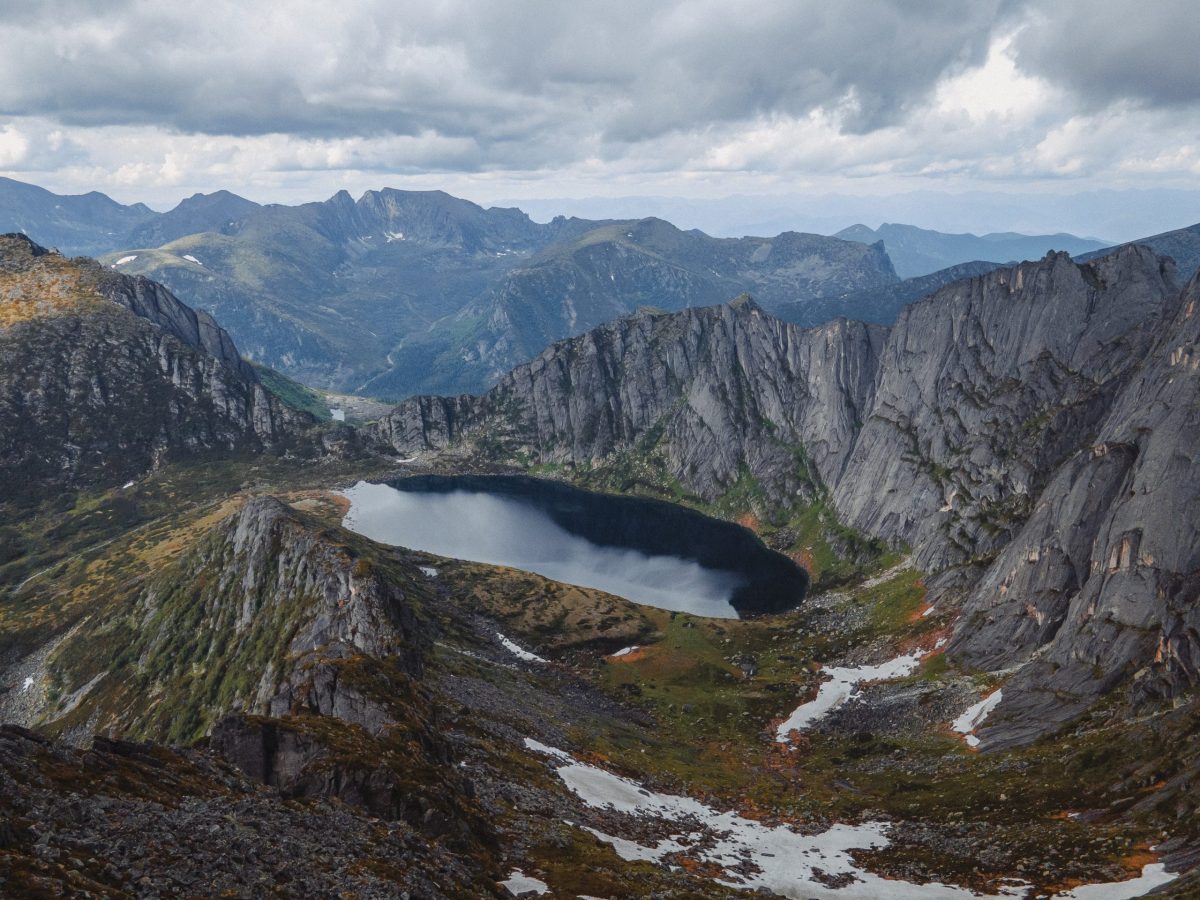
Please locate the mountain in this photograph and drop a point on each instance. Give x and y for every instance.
(1182, 245)
(219, 211)
(402, 291)
(233, 691)
(612, 270)
(919, 251)
(1002, 429)
(326, 291)
(104, 377)
(880, 304)
(88, 223)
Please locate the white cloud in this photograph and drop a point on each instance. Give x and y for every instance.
(685, 97)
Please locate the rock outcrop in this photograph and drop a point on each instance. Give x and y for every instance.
(259, 616)
(138, 819)
(104, 377)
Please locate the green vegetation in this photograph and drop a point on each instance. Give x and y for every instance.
(293, 393)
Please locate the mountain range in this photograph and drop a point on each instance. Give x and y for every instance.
(407, 292)
(1002, 429)
(211, 682)
(919, 251)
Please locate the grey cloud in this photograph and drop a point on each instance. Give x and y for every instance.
(1107, 50)
(613, 72)
(613, 87)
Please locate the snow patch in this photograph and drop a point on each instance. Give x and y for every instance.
(337, 414)
(393, 236)
(974, 716)
(841, 688)
(1153, 875)
(751, 855)
(27, 683)
(125, 259)
(625, 651)
(519, 883)
(518, 651)
(428, 571)
(127, 485)
(547, 750)
(191, 258)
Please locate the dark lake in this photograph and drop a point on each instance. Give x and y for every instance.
(648, 551)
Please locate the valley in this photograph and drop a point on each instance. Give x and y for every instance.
(918, 620)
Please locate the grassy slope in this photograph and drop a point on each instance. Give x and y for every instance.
(292, 392)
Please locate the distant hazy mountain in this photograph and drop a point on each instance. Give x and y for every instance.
(1111, 216)
(219, 211)
(84, 224)
(879, 304)
(1182, 245)
(611, 270)
(403, 292)
(327, 291)
(918, 251)
(407, 291)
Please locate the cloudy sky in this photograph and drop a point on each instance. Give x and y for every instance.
(289, 99)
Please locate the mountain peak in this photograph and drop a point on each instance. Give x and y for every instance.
(17, 245)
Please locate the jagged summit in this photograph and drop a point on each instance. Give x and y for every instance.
(15, 245)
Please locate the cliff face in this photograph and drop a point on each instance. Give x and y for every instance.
(103, 377)
(1037, 423)
(986, 387)
(1103, 582)
(715, 389)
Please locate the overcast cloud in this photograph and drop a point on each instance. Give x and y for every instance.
(295, 99)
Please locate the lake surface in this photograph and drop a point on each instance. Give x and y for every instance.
(652, 553)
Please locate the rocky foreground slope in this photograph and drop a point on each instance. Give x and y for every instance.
(1029, 432)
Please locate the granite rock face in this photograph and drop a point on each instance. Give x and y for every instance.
(1127, 604)
(1034, 426)
(986, 387)
(718, 387)
(104, 377)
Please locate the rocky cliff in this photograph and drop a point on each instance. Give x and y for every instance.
(714, 389)
(1102, 584)
(103, 377)
(986, 387)
(297, 652)
(1030, 429)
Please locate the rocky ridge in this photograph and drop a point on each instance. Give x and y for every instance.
(995, 429)
(105, 376)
